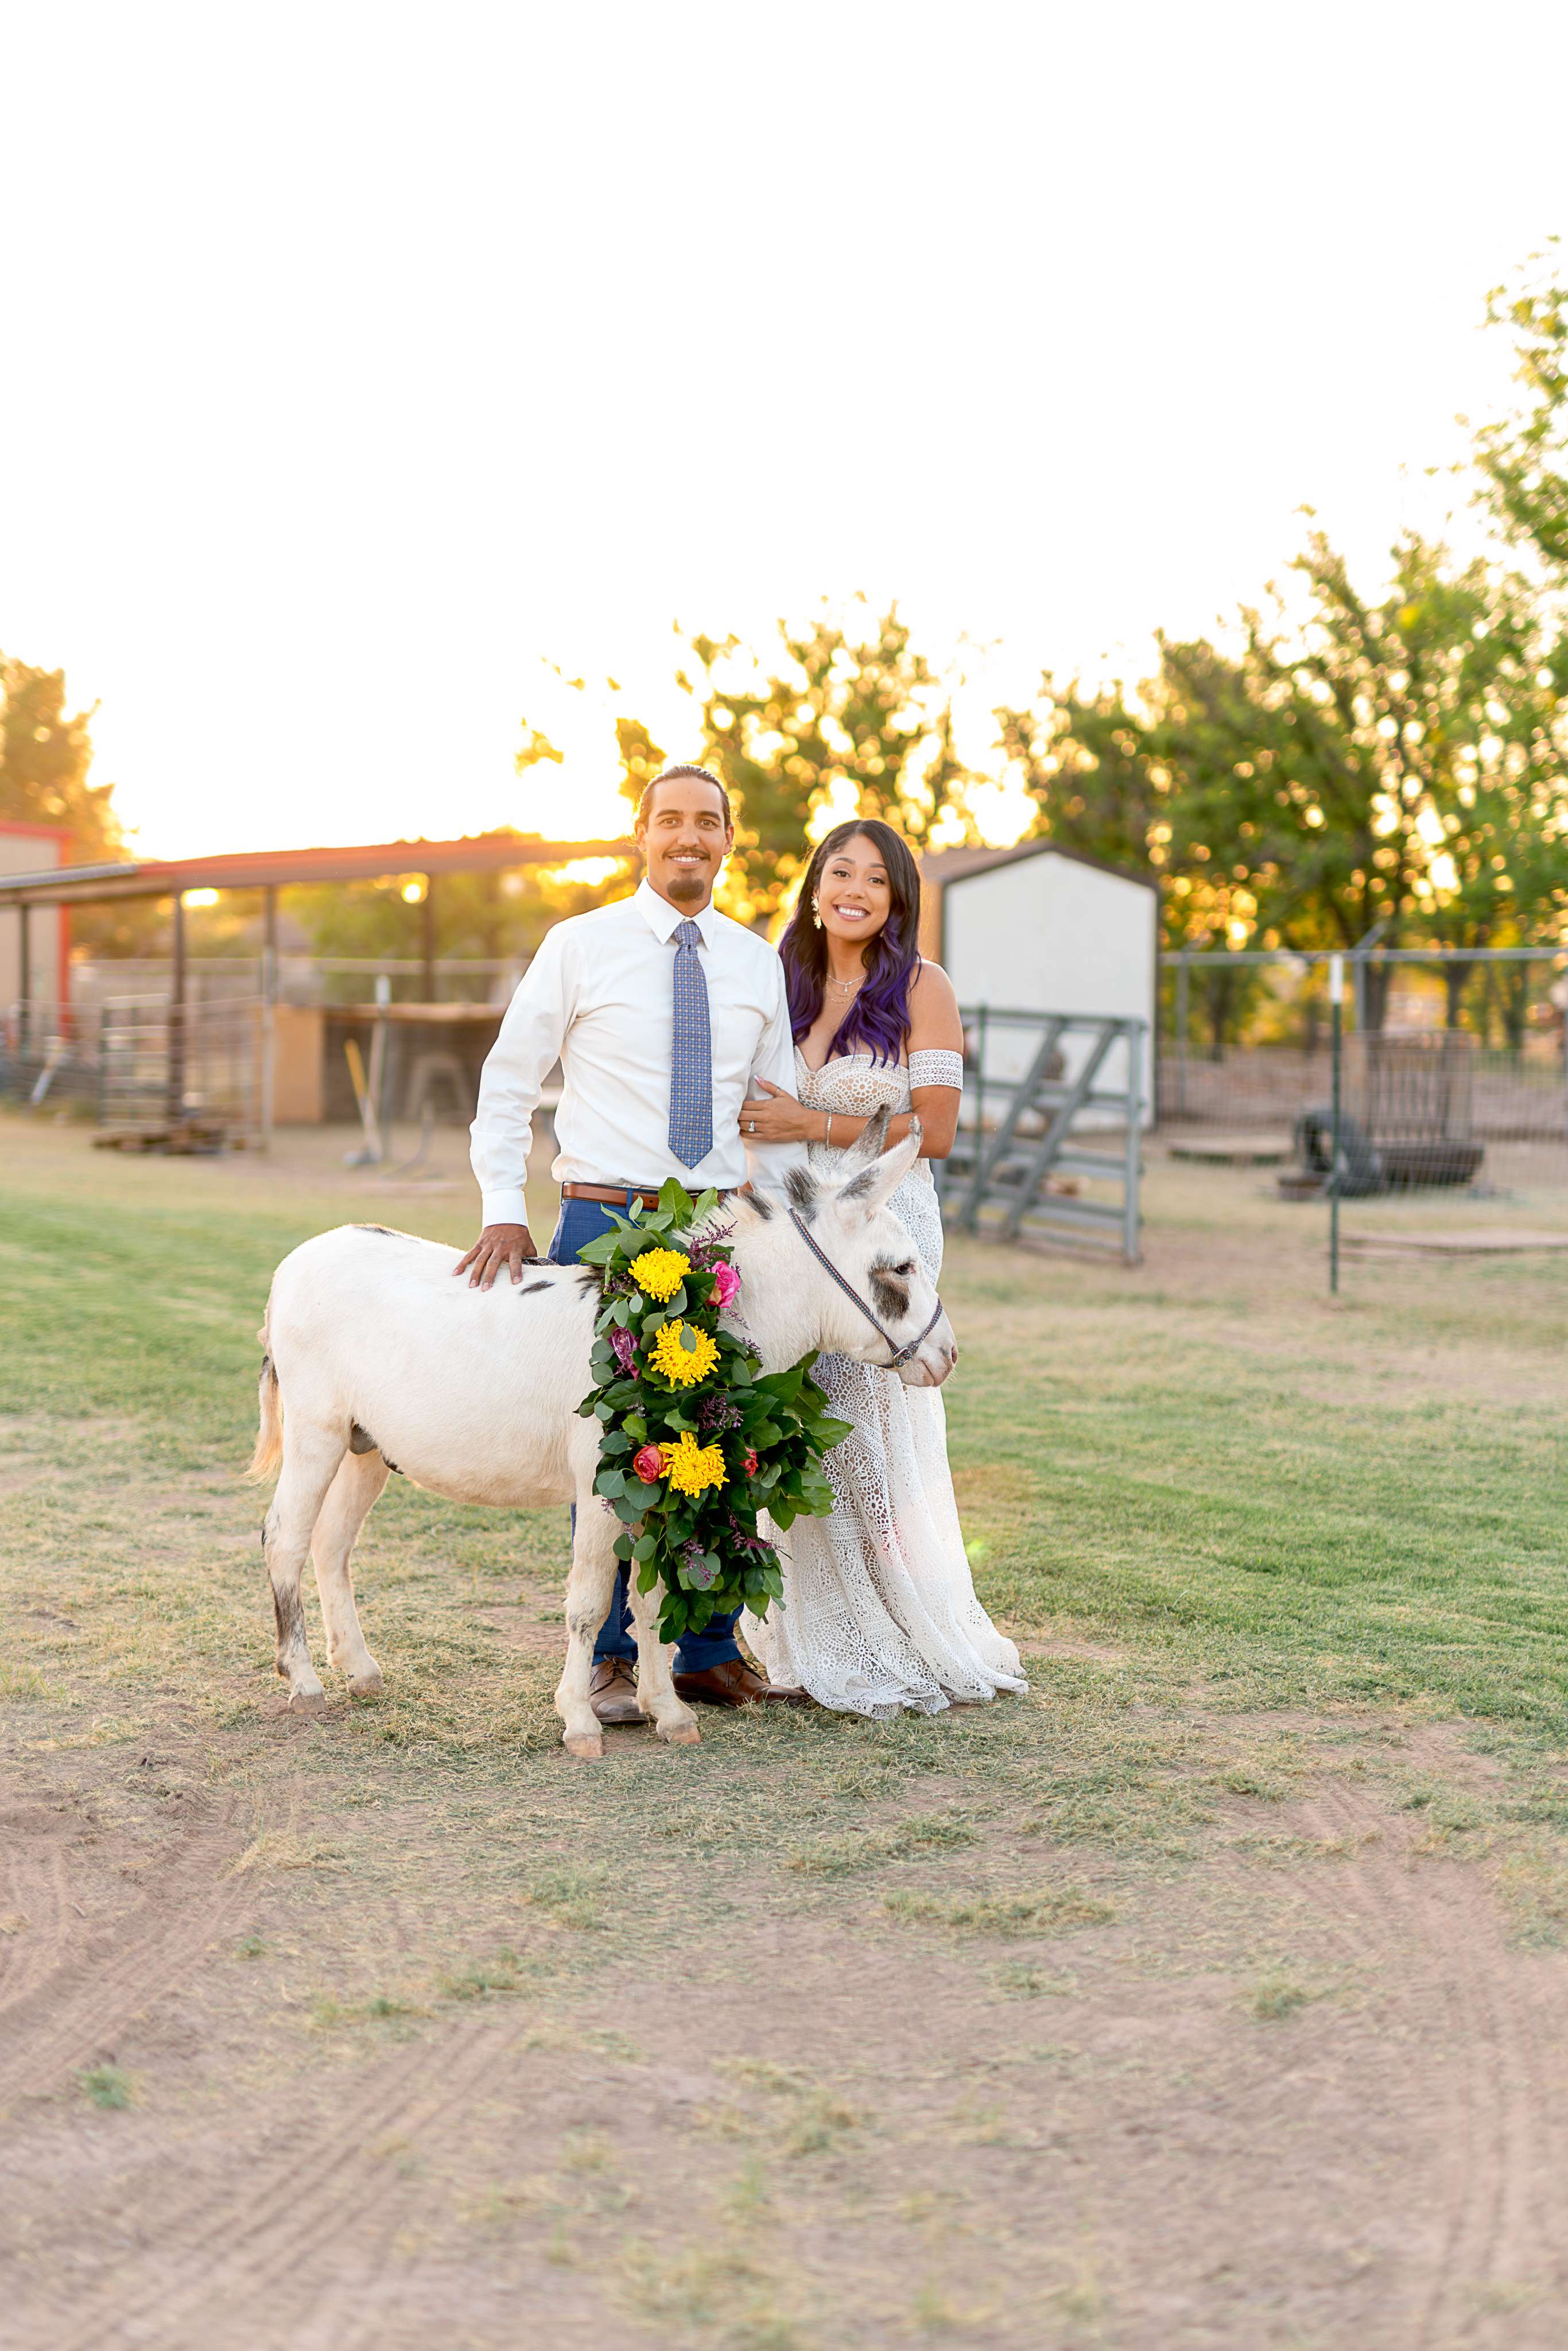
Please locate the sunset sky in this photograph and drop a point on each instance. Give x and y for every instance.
(364, 362)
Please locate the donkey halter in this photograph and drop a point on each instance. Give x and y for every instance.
(900, 1354)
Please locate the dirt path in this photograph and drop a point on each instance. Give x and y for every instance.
(1308, 2094)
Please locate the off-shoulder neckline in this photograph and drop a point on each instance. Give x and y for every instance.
(843, 1060)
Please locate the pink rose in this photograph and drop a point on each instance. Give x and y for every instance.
(649, 1464)
(725, 1282)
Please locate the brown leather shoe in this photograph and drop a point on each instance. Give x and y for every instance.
(735, 1684)
(612, 1690)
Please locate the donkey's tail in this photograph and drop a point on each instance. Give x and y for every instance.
(270, 1435)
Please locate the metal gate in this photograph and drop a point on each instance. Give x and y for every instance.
(1040, 1088)
(194, 1070)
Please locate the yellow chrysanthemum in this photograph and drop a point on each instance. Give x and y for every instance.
(682, 1365)
(660, 1272)
(692, 1468)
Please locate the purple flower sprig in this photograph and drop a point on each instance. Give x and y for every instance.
(624, 1348)
(701, 1252)
(744, 1541)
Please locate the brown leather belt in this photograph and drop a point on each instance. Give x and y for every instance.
(614, 1195)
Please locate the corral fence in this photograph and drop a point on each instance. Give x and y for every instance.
(1453, 1066)
(144, 1066)
(1419, 1094)
(147, 1051)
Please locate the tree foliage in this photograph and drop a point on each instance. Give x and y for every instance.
(45, 754)
(842, 715)
(493, 916)
(45, 762)
(1523, 458)
(1395, 762)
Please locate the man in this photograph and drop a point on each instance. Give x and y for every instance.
(662, 1011)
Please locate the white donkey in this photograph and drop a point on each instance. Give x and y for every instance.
(377, 1360)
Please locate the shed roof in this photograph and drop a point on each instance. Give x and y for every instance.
(945, 865)
(276, 869)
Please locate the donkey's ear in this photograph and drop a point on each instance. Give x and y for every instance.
(875, 1185)
(868, 1144)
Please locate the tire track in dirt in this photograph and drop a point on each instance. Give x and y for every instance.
(84, 1991)
(313, 2185)
(34, 1928)
(1467, 1996)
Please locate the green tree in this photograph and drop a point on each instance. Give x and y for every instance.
(46, 761)
(1396, 761)
(46, 755)
(1523, 458)
(641, 757)
(851, 715)
(491, 915)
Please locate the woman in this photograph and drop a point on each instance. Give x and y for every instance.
(879, 1610)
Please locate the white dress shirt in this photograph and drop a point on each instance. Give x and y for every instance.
(599, 994)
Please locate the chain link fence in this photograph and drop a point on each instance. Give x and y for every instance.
(1453, 1075)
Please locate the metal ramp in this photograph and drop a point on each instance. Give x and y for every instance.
(998, 1179)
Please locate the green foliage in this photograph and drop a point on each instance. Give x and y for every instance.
(769, 1431)
(1398, 761)
(492, 914)
(46, 758)
(860, 719)
(641, 757)
(108, 2086)
(1523, 458)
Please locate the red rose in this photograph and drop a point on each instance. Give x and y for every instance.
(649, 1464)
(750, 1463)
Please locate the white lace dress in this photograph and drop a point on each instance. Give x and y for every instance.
(879, 1610)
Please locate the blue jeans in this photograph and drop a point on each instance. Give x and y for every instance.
(581, 1221)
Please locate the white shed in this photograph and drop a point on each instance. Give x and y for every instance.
(1044, 929)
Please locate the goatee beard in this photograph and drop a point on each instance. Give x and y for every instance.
(686, 886)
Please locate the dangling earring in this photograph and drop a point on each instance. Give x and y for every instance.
(816, 917)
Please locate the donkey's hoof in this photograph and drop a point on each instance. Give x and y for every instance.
(680, 1734)
(307, 1701)
(586, 1745)
(365, 1684)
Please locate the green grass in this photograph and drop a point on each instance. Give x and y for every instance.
(106, 2087)
(1156, 1463)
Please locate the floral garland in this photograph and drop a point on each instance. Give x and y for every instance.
(695, 1440)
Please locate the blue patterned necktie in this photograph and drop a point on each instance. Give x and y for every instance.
(691, 1054)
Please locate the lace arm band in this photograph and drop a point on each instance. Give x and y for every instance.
(928, 1069)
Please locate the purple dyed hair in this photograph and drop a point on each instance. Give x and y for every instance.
(877, 1021)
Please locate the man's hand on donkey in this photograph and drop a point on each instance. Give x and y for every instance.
(498, 1245)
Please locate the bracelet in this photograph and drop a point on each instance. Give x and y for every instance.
(828, 1138)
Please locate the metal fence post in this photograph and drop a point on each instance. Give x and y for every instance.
(268, 1015)
(178, 981)
(1132, 1235)
(1336, 1000)
(1183, 1017)
(981, 1083)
